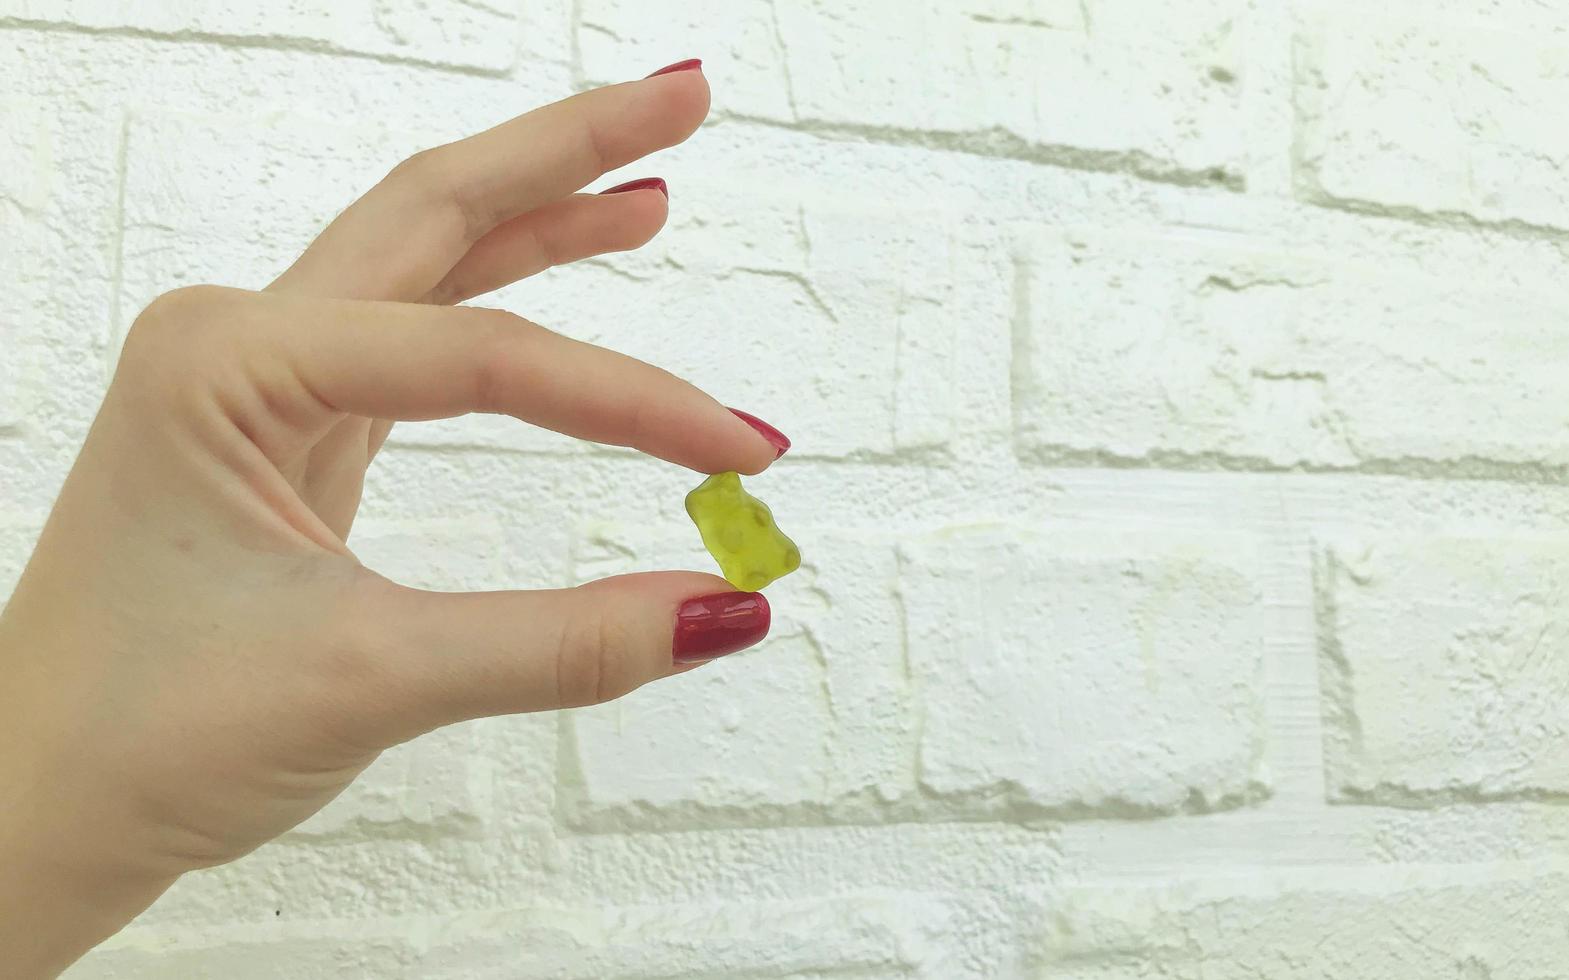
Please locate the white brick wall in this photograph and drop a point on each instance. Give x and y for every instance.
(1186, 344)
(476, 36)
(1441, 666)
(1363, 926)
(1434, 118)
(858, 935)
(27, 172)
(1180, 474)
(1159, 637)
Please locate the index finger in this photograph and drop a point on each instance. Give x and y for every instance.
(408, 231)
(413, 362)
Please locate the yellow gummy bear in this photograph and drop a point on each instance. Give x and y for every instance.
(739, 531)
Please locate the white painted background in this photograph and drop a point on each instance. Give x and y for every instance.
(1182, 469)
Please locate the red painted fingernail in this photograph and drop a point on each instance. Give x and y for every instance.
(713, 625)
(642, 184)
(690, 64)
(777, 439)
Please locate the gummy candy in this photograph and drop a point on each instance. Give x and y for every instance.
(739, 531)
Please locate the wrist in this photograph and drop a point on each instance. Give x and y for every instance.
(52, 913)
(59, 895)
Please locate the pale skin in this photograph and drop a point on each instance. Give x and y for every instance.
(194, 660)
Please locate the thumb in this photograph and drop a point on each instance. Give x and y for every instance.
(470, 655)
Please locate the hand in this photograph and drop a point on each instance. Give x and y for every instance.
(194, 661)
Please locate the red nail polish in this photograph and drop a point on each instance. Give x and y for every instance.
(713, 625)
(777, 439)
(641, 184)
(690, 64)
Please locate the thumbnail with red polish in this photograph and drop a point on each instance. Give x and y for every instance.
(713, 625)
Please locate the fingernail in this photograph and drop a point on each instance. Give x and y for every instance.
(713, 625)
(642, 184)
(777, 439)
(690, 64)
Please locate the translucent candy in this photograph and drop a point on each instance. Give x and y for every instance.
(739, 531)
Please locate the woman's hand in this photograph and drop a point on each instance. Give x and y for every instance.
(194, 661)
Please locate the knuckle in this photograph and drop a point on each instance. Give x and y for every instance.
(551, 249)
(171, 341)
(186, 299)
(597, 141)
(597, 660)
(416, 173)
(174, 315)
(500, 357)
(428, 176)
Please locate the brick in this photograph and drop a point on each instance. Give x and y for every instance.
(237, 958)
(1006, 76)
(1433, 116)
(465, 35)
(1085, 671)
(12, 397)
(521, 753)
(1194, 348)
(821, 314)
(26, 149)
(59, 180)
(754, 734)
(1446, 668)
(854, 936)
(812, 723)
(1347, 924)
(27, 180)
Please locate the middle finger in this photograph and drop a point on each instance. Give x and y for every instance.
(404, 236)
